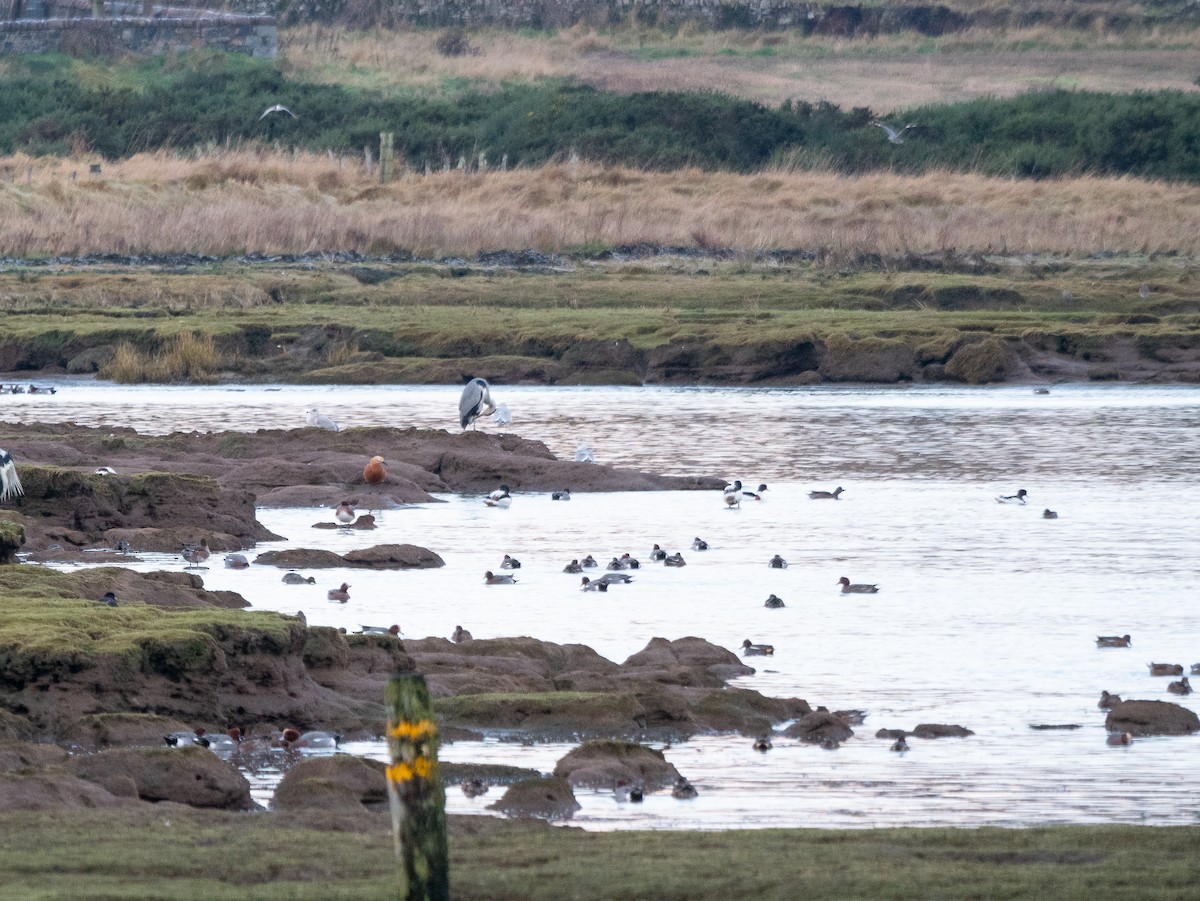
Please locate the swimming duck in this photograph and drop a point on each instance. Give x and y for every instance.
(510, 563)
(297, 579)
(1119, 738)
(829, 743)
(762, 745)
(615, 564)
(856, 588)
(341, 595)
(109, 599)
(379, 630)
(499, 498)
(564, 495)
(630, 562)
(777, 562)
(658, 554)
(699, 544)
(493, 579)
(1182, 687)
(626, 791)
(315, 739)
(900, 745)
(675, 559)
(826, 495)
(123, 546)
(375, 471)
(683, 789)
(573, 567)
(750, 649)
(588, 562)
(196, 555)
(460, 635)
(184, 739)
(473, 788)
(733, 488)
(344, 513)
(1049, 514)
(1166, 669)
(1196, 669)
(1114, 641)
(236, 561)
(589, 585)
(755, 495)
(774, 603)
(1108, 701)
(615, 579)
(1018, 498)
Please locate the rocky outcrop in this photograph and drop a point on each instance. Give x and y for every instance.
(340, 782)
(192, 776)
(1152, 718)
(550, 798)
(53, 791)
(668, 690)
(12, 537)
(84, 508)
(380, 556)
(819, 727)
(607, 763)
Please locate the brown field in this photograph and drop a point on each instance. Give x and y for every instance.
(242, 202)
(885, 73)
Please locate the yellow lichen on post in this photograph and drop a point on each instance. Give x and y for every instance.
(418, 800)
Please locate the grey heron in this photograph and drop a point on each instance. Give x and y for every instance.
(476, 401)
(317, 419)
(10, 483)
(895, 136)
(277, 108)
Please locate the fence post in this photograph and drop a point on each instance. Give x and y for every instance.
(418, 800)
(386, 139)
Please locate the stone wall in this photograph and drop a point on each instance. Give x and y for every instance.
(67, 26)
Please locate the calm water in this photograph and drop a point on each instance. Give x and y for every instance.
(986, 616)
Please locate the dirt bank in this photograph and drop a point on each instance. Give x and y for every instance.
(175, 489)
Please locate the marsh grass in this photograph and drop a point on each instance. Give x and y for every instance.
(147, 852)
(255, 201)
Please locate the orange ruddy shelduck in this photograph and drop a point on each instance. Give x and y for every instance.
(373, 472)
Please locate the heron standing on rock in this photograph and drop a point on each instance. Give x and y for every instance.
(476, 401)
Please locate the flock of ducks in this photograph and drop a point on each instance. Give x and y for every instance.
(1109, 700)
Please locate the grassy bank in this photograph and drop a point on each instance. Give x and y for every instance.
(182, 854)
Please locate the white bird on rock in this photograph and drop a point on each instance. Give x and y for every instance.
(319, 420)
(10, 484)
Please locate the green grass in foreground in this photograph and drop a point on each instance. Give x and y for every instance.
(169, 852)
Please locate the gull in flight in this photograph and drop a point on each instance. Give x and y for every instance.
(895, 136)
(277, 108)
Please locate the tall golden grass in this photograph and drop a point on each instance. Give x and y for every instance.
(242, 202)
(187, 357)
(885, 72)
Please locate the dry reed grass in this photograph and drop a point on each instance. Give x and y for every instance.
(242, 202)
(187, 357)
(886, 72)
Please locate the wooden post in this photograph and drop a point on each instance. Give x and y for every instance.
(418, 800)
(386, 139)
